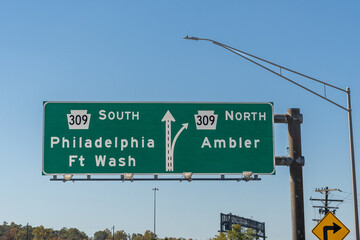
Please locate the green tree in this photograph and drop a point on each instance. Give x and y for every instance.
(24, 233)
(149, 235)
(76, 234)
(4, 231)
(173, 238)
(12, 232)
(61, 234)
(8, 232)
(236, 233)
(102, 235)
(136, 236)
(41, 233)
(120, 235)
(221, 236)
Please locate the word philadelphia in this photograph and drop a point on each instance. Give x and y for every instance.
(121, 143)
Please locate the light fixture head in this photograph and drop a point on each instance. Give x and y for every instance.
(68, 177)
(191, 38)
(128, 176)
(187, 175)
(247, 175)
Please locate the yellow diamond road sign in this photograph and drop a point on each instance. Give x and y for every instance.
(330, 228)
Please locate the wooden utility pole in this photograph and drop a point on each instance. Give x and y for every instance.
(326, 208)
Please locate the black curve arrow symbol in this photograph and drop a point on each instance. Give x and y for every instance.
(334, 227)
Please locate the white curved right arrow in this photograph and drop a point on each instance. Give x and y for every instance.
(185, 126)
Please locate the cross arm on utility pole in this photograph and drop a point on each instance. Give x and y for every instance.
(330, 200)
(327, 207)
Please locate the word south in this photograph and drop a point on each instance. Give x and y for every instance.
(122, 143)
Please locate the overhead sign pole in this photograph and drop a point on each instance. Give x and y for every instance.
(296, 177)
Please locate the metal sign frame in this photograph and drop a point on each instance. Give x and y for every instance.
(227, 220)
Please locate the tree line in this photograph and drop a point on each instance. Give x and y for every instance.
(14, 231)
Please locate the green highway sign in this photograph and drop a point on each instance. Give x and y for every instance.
(158, 138)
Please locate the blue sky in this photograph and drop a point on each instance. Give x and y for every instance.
(134, 51)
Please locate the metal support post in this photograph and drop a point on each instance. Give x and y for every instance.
(296, 178)
(353, 170)
(155, 189)
(264, 238)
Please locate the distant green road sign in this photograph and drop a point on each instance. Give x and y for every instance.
(157, 138)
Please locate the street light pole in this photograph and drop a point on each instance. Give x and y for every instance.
(352, 157)
(27, 231)
(347, 108)
(155, 189)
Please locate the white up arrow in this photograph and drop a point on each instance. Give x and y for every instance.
(170, 144)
